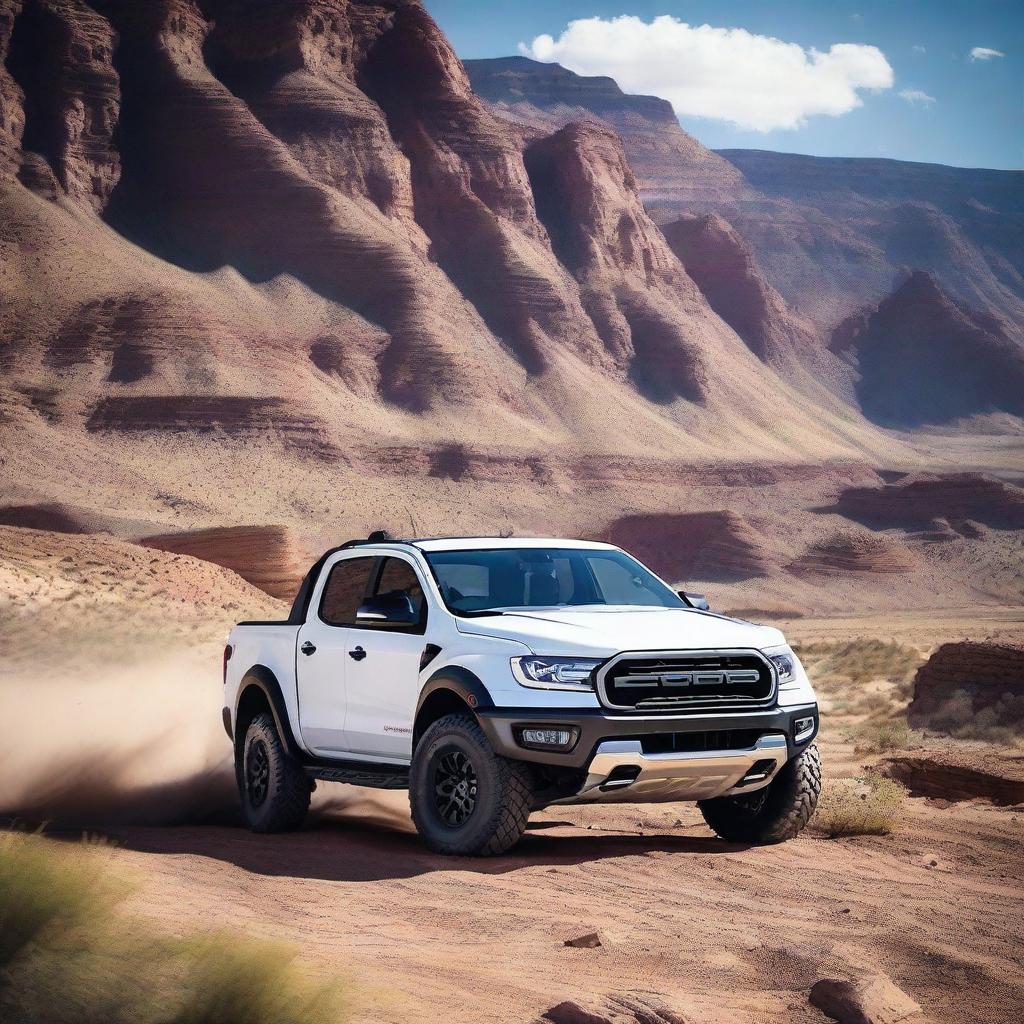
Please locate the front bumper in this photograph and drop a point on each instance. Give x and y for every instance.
(621, 771)
(645, 758)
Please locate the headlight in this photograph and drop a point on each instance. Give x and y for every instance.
(555, 673)
(785, 662)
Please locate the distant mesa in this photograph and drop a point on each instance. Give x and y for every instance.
(718, 545)
(963, 500)
(925, 359)
(855, 552)
(268, 557)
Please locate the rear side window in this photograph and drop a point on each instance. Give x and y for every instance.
(344, 592)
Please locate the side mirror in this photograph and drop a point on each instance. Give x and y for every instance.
(698, 601)
(388, 610)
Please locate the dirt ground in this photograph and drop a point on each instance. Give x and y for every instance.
(717, 932)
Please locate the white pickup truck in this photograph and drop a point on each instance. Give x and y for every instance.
(495, 676)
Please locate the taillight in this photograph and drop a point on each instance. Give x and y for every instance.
(227, 658)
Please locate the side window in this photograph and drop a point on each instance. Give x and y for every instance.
(397, 579)
(345, 590)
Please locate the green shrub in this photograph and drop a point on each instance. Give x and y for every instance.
(68, 957)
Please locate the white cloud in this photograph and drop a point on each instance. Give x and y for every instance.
(985, 53)
(918, 48)
(730, 74)
(916, 96)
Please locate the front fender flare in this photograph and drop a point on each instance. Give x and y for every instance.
(461, 682)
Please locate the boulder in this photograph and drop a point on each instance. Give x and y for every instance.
(869, 1000)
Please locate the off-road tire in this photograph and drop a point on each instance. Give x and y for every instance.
(285, 787)
(773, 814)
(503, 791)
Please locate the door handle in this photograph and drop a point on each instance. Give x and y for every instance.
(308, 648)
(357, 654)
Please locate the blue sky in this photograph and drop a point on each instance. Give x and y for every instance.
(739, 89)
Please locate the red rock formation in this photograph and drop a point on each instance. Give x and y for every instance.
(915, 502)
(855, 552)
(12, 111)
(265, 556)
(544, 97)
(630, 279)
(61, 54)
(693, 545)
(961, 681)
(948, 775)
(923, 358)
(721, 264)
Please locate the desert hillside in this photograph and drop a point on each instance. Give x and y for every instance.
(289, 268)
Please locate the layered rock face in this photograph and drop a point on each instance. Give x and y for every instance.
(914, 502)
(923, 358)
(62, 58)
(265, 556)
(544, 97)
(721, 264)
(719, 545)
(633, 287)
(854, 552)
(835, 234)
(961, 682)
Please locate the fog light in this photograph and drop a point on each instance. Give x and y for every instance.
(802, 729)
(548, 739)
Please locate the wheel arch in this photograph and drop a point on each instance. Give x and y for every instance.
(260, 691)
(448, 690)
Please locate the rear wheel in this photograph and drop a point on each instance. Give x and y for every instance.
(465, 799)
(274, 788)
(773, 814)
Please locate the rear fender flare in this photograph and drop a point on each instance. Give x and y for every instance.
(261, 678)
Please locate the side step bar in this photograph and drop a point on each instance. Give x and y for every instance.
(360, 773)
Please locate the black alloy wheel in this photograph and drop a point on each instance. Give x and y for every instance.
(257, 773)
(455, 786)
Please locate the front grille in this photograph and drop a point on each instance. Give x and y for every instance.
(696, 680)
(698, 742)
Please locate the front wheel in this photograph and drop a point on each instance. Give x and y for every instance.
(465, 799)
(773, 814)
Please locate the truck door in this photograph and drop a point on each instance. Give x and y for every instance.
(321, 659)
(383, 667)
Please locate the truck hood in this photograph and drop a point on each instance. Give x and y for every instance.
(602, 632)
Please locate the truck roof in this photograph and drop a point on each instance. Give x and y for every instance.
(474, 543)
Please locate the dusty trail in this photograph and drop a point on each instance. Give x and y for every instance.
(721, 932)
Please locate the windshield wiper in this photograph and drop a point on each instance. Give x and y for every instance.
(477, 612)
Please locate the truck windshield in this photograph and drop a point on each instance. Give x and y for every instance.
(504, 579)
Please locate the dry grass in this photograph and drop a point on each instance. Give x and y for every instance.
(879, 736)
(957, 718)
(868, 806)
(67, 956)
(860, 661)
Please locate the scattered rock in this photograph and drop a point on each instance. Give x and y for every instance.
(616, 1008)
(591, 940)
(870, 1000)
